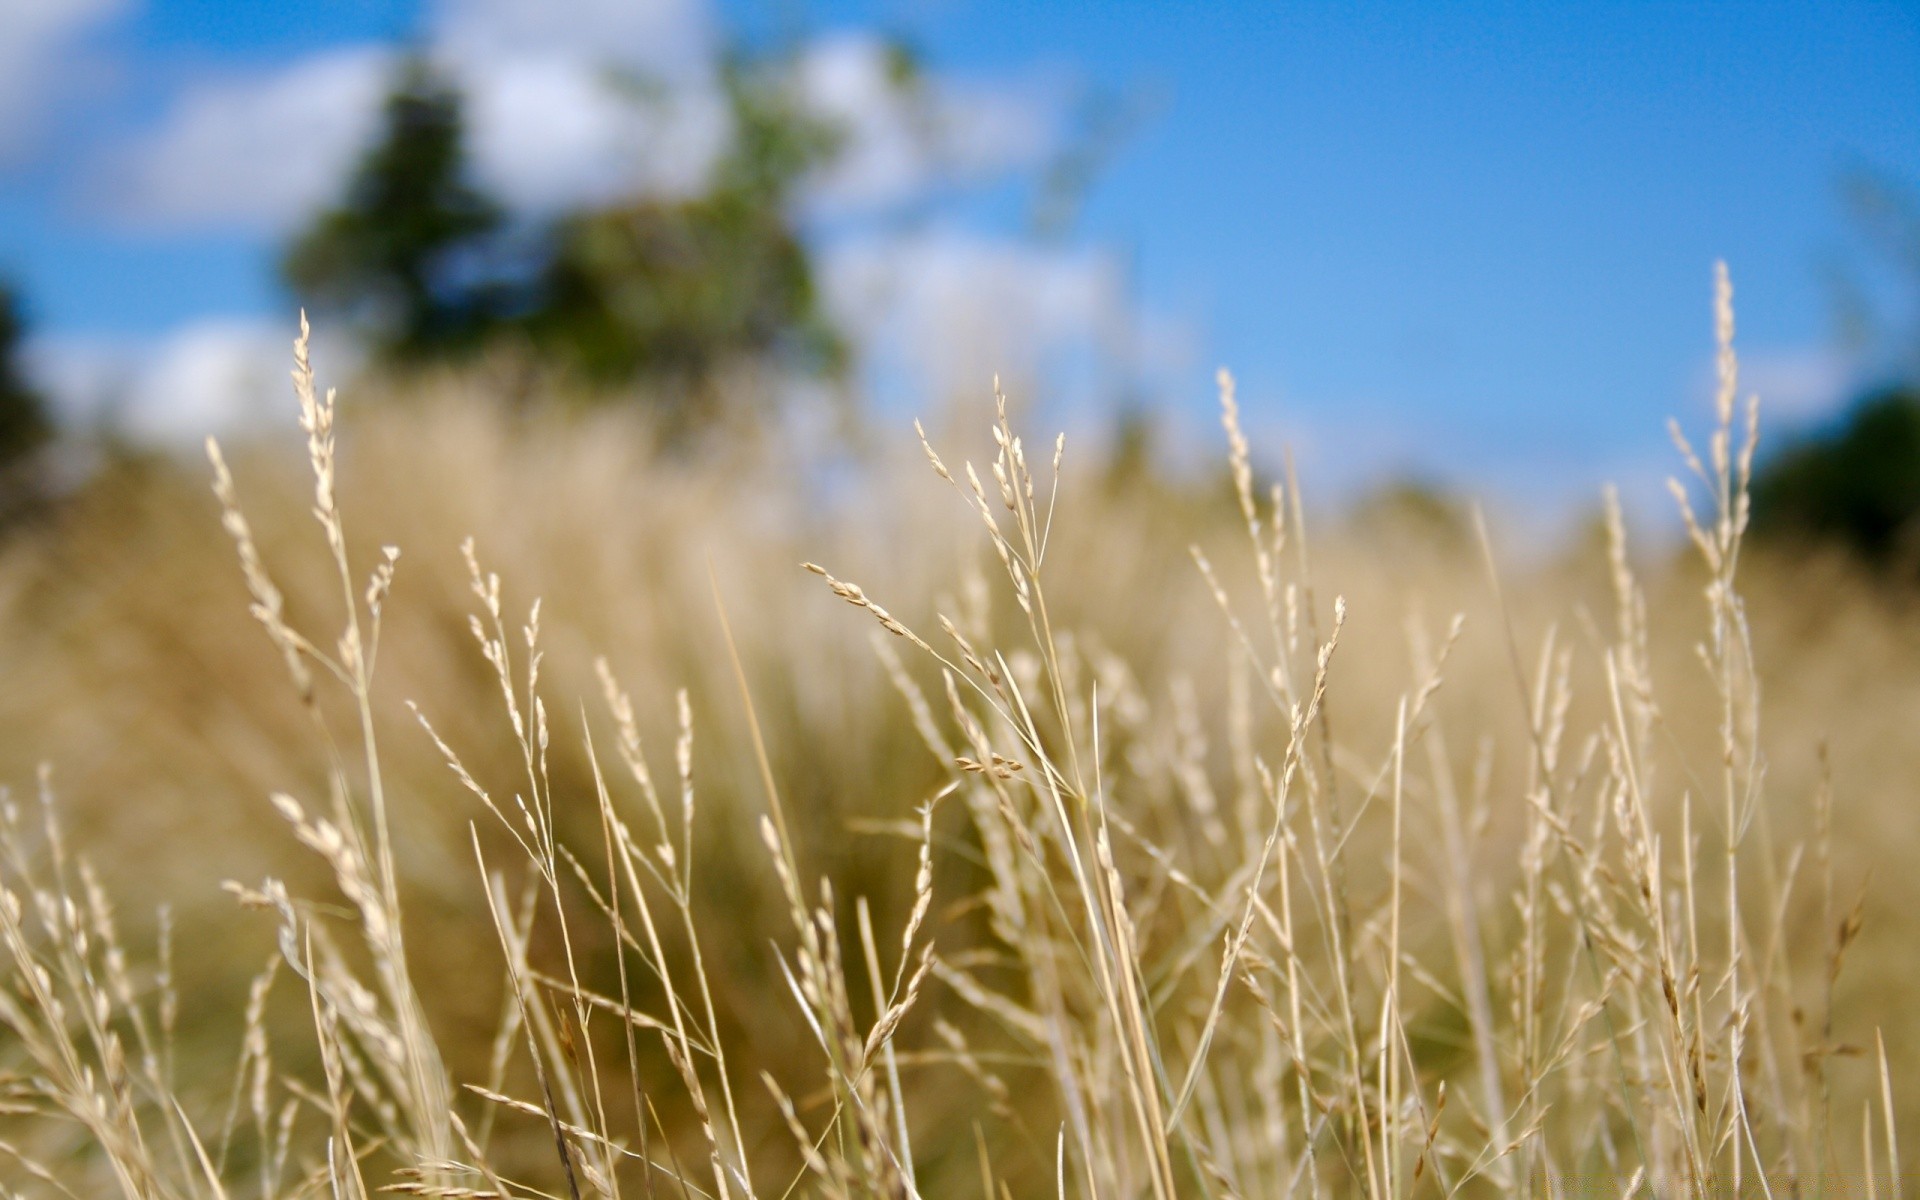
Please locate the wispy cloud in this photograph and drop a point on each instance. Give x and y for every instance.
(587, 102)
(571, 105)
(607, 99)
(40, 41)
(905, 135)
(940, 312)
(219, 374)
(1798, 384)
(666, 39)
(550, 133)
(258, 150)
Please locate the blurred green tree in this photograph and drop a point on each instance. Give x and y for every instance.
(404, 255)
(24, 422)
(676, 292)
(666, 293)
(1856, 481)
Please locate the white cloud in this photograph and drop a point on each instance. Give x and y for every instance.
(670, 39)
(586, 102)
(566, 105)
(569, 105)
(78, 374)
(903, 137)
(552, 132)
(210, 376)
(944, 312)
(1797, 384)
(213, 376)
(589, 102)
(260, 150)
(38, 39)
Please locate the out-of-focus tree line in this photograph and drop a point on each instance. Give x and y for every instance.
(665, 294)
(651, 299)
(662, 300)
(25, 423)
(1855, 480)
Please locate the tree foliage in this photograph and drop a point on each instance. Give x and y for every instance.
(1857, 483)
(669, 293)
(678, 291)
(24, 422)
(404, 254)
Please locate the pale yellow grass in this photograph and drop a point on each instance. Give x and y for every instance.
(1317, 863)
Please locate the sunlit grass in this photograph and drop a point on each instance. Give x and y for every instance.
(1130, 840)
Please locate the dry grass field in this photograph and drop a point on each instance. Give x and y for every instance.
(1059, 832)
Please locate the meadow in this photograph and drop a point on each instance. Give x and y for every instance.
(470, 799)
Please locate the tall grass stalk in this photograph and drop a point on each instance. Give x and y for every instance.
(1220, 944)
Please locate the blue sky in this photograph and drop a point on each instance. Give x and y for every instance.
(1474, 240)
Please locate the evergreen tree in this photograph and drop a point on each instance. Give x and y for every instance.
(1858, 483)
(24, 425)
(404, 253)
(668, 293)
(673, 292)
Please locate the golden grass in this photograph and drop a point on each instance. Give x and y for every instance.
(1128, 843)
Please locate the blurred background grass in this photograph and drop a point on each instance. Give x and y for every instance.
(135, 671)
(638, 403)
